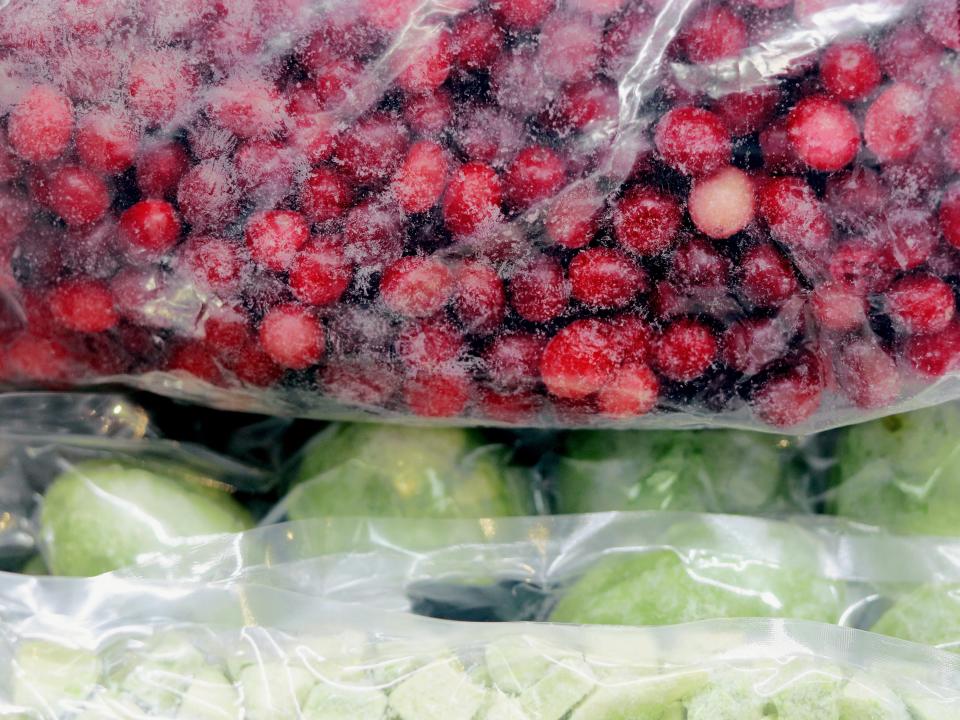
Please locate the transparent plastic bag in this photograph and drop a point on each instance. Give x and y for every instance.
(535, 213)
(105, 648)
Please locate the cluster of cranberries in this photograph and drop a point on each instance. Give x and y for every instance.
(448, 211)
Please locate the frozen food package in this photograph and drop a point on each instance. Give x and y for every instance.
(86, 481)
(111, 649)
(666, 213)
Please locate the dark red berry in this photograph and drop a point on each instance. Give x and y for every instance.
(685, 350)
(935, 355)
(766, 277)
(416, 286)
(746, 112)
(320, 273)
(480, 300)
(78, 195)
(422, 178)
(713, 33)
(868, 375)
(106, 142)
(373, 235)
(472, 198)
(477, 41)
(857, 264)
(40, 126)
(920, 304)
(83, 305)
(423, 62)
(325, 195)
(794, 215)
(207, 195)
(160, 85)
(824, 133)
(697, 264)
(838, 308)
(160, 167)
(646, 221)
(849, 70)
(572, 218)
(440, 394)
(950, 215)
(513, 360)
(371, 150)
(356, 383)
(214, 262)
(150, 225)
(751, 344)
(535, 174)
(632, 338)
(522, 14)
(605, 278)
(632, 390)
(195, 357)
(896, 122)
(790, 398)
(539, 291)
(425, 344)
(578, 360)
(428, 114)
(693, 140)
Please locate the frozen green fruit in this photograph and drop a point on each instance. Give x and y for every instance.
(334, 702)
(864, 698)
(930, 614)
(657, 697)
(210, 696)
(727, 699)
(564, 685)
(274, 691)
(101, 515)
(439, 691)
(46, 674)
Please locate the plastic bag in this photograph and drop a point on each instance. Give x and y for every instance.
(105, 648)
(86, 482)
(656, 568)
(539, 213)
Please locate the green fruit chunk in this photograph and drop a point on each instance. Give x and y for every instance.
(902, 472)
(864, 698)
(556, 693)
(439, 691)
(930, 614)
(514, 664)
(694, 471)
(727, 699)
(101, 515)
(812, 696)
(166, 666)
(46, 674)
(656, 697)
(210, 696)
(329, 702)
(274, 691)
(658, 588)
(398, 471)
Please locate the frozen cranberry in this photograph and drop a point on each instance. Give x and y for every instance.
(516, 408)
(388, 15)
(580, 105)
(632, 338)
(83, 305)
(422, 63)
(249, 107)
(751, 344)
(789, 399)
(697, 264)
(480, 300)
(160, 167)
(150, 225)
(339, 35)
(513, 360)
(421, 179)
(856, 197)
(477, 41)
(868, 375)
(518, 82)
(160, 85)
(935, 355)
(292, 337)
(578, 360)
(78, 195)
(685, 350)
(572, 218)
(794, 215)
(838, 308)
(908, 235)
(713, 33)
(539, 292)
(746, 112)
(569, 47)
(265, 170)
(356, 383)
(941, 21)
(424, 344)
(210, 142)
(313, 136)
(15, 211)
(195, 357)
(40, 126)
(920, 304)
(334, 82)
(439, 394)
(766, 277)
(429, 113)
(722, 204)
(106, 142)
(849, 70)
(522, 14)
(275, 236)
(604, 278)
(207, 195)
(909, 55)
(693, 140)
(213, 261)
(325, 195)
(950, 215)
(857, 264)
(896, 122)
(472, 198)
(488, 135)
(416, 286)
(944, 99)
(951, 149)
(632, 390)
(623, 39)
(37, 359)
(320, 273)
(371, 150)
(646, 221)
(778, 152)
(824, 133)
(535, 174)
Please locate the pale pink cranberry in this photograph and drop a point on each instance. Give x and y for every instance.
(896, 122)
(388, 15)
(320, 273)
(572, 218)
(824, 133)
(722, 204)
(766, 277)
(480, 300)
(633, 390)
(751, 344)
(646, 221)
(535, 174)
(746, 112)
(106, 142)
(582, 105)
(416, 286)
(274, 237)
(371, 150)
(207, 195)
(40, 126)
(868, 375)
(579, 360)
(539, 291)
(160, 85)
(422, 177)
(605, 278)
(292, 336)
(794, 214)
(429, 113)
(489, 136)
(920, 304)
(714, 32)
(423, 62)
(359, 383)
(693, 140)
(518, 81)
(86, 306)
(313, 136)
(265, 170)
(513, 360)
(472, 198)
(838, 308)
(569, 47)
(685, 350)
(325, 195)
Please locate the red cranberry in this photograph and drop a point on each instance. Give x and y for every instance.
(214, 262)
(794, 215)
(518, 408)
(580, 105)
(371, 150)
(572, 218)
(78, 196)
(106, 142)
(15, 211)
(325, 195)
(824, 133)
(535, 174)
(696, 263)
(313, 136)
(856, 197)
(692, 140)
(685, 350)
(941, 21)
(908, 55)
(857, 264)
(429, 113)
(472, 198)
(778, 152)
(37, 359)
(160, 167)
(489, 136)
(416, 286)
(83, 305)
(945, 99)
(896, 122)
(388, 15)
(422, 178)
(722, 204)
(428, 343)
(522, 14)
(713, 33)
(320, 273)
(604, 278)
(356, 383)
(440, 394)
(867, 375)
(265, 170)
(623, 39)
(274, 237)
(40, 126)
(950, 215)
(909, 235)
(838, 308)
(195, 357)
(766, 277)
(423, 62)
(920, 304)
(569, 47)
(518, 82)
(150, 225)
(751, 344)
(292, 337)
(645, 221)
(935, 355)
(207, 195)
(633, 390)
(160, 85)
(334, 81)
(249, 107)
(477, 41)
(373, 236)
(632, 338)
(789, 399)
(746, 112)
(578, 360)
(539, 292)
(480, 299)
(513, 360)
(849, 70)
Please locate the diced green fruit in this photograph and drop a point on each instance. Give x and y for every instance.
(503, 707)
(102, 515)
(864, 698)
(658, 588)
(210, 696)
(813, 696)
(398, 471)
(46, 674)
(902, 472)
(729, 698)
(559, 691)
(514, 664)
(337, 702)
(656, 697)
(928, 708)
(109, 706)
(929, 614)
(169, 662)
(439, 691)
(274, 691)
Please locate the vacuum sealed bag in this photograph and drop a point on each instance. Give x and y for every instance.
(109, 649)
(533, 212)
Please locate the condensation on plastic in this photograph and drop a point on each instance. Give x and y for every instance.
(161, 343)
(106, 648)
(620, 568)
